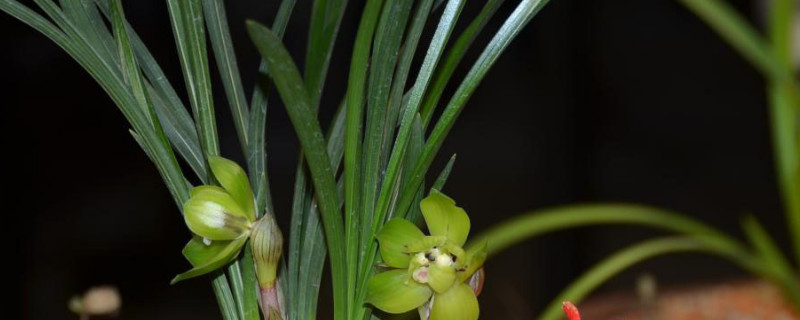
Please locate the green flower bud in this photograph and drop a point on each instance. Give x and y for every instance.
(266, 241)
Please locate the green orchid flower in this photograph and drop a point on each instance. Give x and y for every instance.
(430, 273)
(221, 219)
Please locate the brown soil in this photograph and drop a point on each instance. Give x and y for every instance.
(743, 300)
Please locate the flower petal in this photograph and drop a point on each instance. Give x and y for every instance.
(206, 188)
(441, 278)
(234, 180)
(198, 253)
(444, 218)
(394, 237)
(214, 215)
(224, 256)
(394, 292)
(458, 303)
(426, 243)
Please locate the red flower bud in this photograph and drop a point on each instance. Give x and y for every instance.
(571, 311)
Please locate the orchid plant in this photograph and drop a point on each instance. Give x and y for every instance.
(361, 186)
(354, 183)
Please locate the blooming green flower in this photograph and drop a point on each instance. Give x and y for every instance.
(221, 219)
(428, 272)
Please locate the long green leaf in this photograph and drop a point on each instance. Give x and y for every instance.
(222, 291)
(308, 251)
(86, 18)
(175, 119)
(355, 103)
(518, 19)
(326, 17)
(454, 56)
(292, 91)
(401, 74)
(217, 23)
(256, 156)
(415, 144)
(186, 17)
(386, 45)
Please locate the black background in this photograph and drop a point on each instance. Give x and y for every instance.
(623, 100)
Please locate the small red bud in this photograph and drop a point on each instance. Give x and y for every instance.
(571, 311)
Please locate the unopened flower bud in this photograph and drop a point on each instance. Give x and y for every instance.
(266, 241)
(571, 311)
(267, 245)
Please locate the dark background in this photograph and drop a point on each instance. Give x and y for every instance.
(633, 101)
